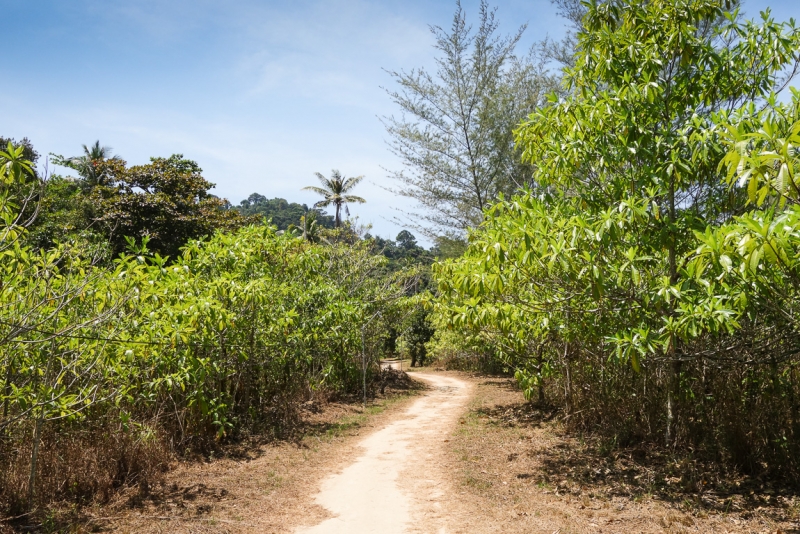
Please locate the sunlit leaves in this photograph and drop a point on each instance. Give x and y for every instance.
(616, 257)
(235, 327)
(763, 152)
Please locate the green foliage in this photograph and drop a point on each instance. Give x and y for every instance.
(226, 338)
(764, 151)
(89, 164)
(334, 192)
(28, 152)
(753, 259)
(20, 185)
(631, 280)
(64, 213)
(454, 136)
(166, 200)
(281, 212)
(417, 334)
(403, 251)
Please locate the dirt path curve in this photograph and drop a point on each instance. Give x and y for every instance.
(395, 486)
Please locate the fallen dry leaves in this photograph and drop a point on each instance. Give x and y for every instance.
(253, 486)
(515, 465)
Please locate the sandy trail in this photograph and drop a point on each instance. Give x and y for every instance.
(396, 477)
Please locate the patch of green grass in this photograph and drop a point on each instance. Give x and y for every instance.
(477, 483)
(350, 423)
(346, 425)
(275, 479)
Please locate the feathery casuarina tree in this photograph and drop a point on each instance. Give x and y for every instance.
(455, 132)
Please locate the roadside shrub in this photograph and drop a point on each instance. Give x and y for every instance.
(104, 370)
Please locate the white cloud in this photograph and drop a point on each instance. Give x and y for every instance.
(327, 51)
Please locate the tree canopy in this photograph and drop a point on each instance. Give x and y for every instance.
(281, 212)
(167, 200)
(618, 271)
(88, 164)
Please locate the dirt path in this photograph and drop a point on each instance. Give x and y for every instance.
(467, 456)
(395, 486)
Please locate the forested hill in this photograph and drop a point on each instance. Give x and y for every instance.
(282, 212)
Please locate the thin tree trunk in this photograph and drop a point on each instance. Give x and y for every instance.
(37, 438)
(9, 374)
(795, 425)
(670, 415)
(673, 382)
(37, 432)
(568, 383)
(673, 389)
(541, 378)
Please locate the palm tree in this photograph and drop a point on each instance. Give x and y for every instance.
(334, 191)
(308, 229)
(86, 164)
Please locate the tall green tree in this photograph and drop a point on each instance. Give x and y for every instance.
(603, 267)
(454, 135)
(335, 191)
(167, 200)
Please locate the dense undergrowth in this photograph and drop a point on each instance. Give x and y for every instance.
(649, 285)
(107, 369)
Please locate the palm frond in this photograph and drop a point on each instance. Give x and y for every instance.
(96, 151)
(351, 182)
(318, 190)
(324, 181)
(333, 192)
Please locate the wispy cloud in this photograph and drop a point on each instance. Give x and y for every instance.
(328, 51)
(261, 93)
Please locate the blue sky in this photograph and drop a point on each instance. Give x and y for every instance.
(261, 94)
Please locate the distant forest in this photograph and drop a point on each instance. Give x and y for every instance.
(280, 211)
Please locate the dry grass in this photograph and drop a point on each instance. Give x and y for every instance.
(78, 465)
(516, 464)
(258, 485)
(509, 467)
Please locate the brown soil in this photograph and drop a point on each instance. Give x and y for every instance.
(517, 466)
(470, 456)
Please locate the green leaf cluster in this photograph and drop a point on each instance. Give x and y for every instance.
(226, 337)
(638, 267)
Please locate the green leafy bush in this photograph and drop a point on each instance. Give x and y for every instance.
(637, 290)
(223, 340)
